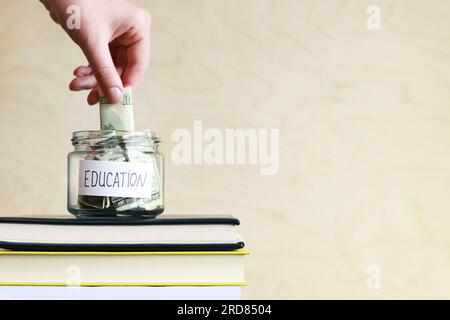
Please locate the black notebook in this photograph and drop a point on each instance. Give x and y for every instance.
(165, 232)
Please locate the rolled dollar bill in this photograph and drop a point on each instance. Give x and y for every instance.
(117, 116)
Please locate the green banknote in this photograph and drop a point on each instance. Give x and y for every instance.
(117, 116)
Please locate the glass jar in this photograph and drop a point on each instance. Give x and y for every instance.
(115, 174)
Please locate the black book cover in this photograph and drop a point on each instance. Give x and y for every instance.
(160, 220)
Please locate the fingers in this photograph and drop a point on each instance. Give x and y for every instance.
(93, 96)
(124, 61)
(87, 82)
(82, 71)
(138, 58)
(83, 83)
(85, 79)
(138, 52)
(101, 62)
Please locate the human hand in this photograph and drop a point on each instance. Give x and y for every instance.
(115, 38)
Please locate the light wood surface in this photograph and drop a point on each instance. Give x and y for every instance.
(365, 128)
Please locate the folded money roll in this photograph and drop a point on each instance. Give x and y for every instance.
(118, 116)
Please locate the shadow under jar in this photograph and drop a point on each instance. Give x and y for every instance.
(115, 174)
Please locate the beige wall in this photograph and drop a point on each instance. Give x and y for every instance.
(365, 130)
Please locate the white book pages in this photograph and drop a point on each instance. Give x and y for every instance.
(119, 293)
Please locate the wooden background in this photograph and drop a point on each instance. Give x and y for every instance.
(364, 116)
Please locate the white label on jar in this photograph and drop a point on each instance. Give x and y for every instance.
(115, 179)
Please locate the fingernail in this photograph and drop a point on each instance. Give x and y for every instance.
(72, 88)
(114, 95)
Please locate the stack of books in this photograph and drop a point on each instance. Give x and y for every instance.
(170, 257)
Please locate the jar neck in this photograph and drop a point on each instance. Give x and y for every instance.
(115, 141)
(127, 148)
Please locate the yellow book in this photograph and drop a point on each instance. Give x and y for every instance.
(155, 268)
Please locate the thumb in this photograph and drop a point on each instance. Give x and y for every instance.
(105, 72)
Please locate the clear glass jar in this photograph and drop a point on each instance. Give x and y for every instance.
(115, 173)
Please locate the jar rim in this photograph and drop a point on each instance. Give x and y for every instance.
(84, 136)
